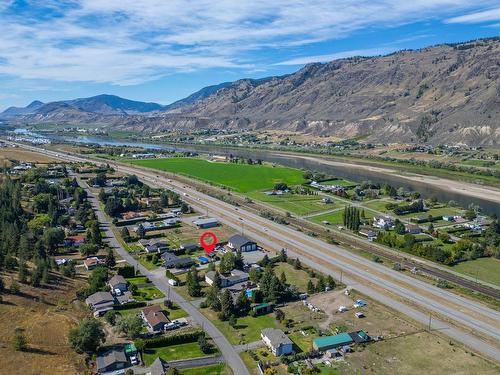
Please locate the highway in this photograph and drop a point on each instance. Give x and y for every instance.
(392, 288)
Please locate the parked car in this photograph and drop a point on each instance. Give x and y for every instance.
(359, 315)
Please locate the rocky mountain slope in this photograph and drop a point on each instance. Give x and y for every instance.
(442, 94)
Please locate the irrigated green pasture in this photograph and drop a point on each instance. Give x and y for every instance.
(239, 177)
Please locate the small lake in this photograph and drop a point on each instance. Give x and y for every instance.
(346, 172)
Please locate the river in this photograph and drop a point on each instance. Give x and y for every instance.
(347, 172)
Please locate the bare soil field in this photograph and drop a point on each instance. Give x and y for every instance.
(13, 153)
(46, 315)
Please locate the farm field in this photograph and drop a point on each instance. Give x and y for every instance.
(239, 177)
(485, 269)
(339, 182)
(13, 153)
(335, 217)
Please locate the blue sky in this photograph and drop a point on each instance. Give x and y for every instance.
(163, 50)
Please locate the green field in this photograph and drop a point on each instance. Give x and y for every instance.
(148, 294)
(173, 352)
(239, 177)
(486, 269)
(334, 218)
(299, 278)
(296, 203)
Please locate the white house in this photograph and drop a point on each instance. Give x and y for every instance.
(277, 341)
(383, 221)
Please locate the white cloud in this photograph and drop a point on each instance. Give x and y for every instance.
(132, 41)
(338, 55)
(484, 16)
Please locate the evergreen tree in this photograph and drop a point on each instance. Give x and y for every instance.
(310, 287)
(283, 277)
(227, 305)
(141, 232)
(110, 259)
(297, 265)
(242, 304)
(238, 261)
(283, 256)
(193, 282)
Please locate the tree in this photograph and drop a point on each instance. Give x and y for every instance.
(205, 346)
(399, 227)
(20, 341)
(110, 317)
(227, 305)
(88, 249)
(124, 232)
(110, 260)
(279, 314)
(297, 265)
(87, 336)
(330, 282)
(173, 371)
(130, 325)
(283, 256)
(212, 299)
(94, 233)
(52, 237)
(242, 304)
(23, 272)
(310, 287)
(238, 261)
(233, 321)
(141, 232)
(253, 275)
(226, 264)
(193, 282)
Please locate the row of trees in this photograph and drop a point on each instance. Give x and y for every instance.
(351, 218)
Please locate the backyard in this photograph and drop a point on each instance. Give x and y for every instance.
(173, 352)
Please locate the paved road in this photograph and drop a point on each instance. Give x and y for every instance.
(482, 321)
(229, 353)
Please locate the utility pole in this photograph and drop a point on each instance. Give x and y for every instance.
(430, 321)
(340, 275)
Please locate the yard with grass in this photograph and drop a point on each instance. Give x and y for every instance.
(299, 278)
(339, 182)
(239, 177)
(334, 218)
(173, 352)
(296, 203)
(486, 269)
(247, 328)
(148, 293)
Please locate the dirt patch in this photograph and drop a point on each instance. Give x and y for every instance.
(46, 315)
(378, 320)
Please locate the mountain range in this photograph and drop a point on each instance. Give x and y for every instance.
(442, 94)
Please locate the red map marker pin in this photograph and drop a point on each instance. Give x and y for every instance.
(208, 246)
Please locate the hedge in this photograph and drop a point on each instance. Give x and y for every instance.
(172, 340)
(130, 305)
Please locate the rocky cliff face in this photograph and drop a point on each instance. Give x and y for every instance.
(442, 94)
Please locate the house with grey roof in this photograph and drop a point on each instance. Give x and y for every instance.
(158, 367)
(118, 282)
(111, 361)
(173, 261)
(241, 243)
(100, 302)
(234, 278)
(277, 341)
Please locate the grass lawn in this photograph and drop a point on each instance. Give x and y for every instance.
(334, 218)
(299, 278)
(207, 370)
(239, 177)
(434, 212)
(148, 265)
(175, 312)
(247, 328)
(148, 293)
(486, 269)
(296, 203)
(173, 352)
(138, 280)
(379, 204)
